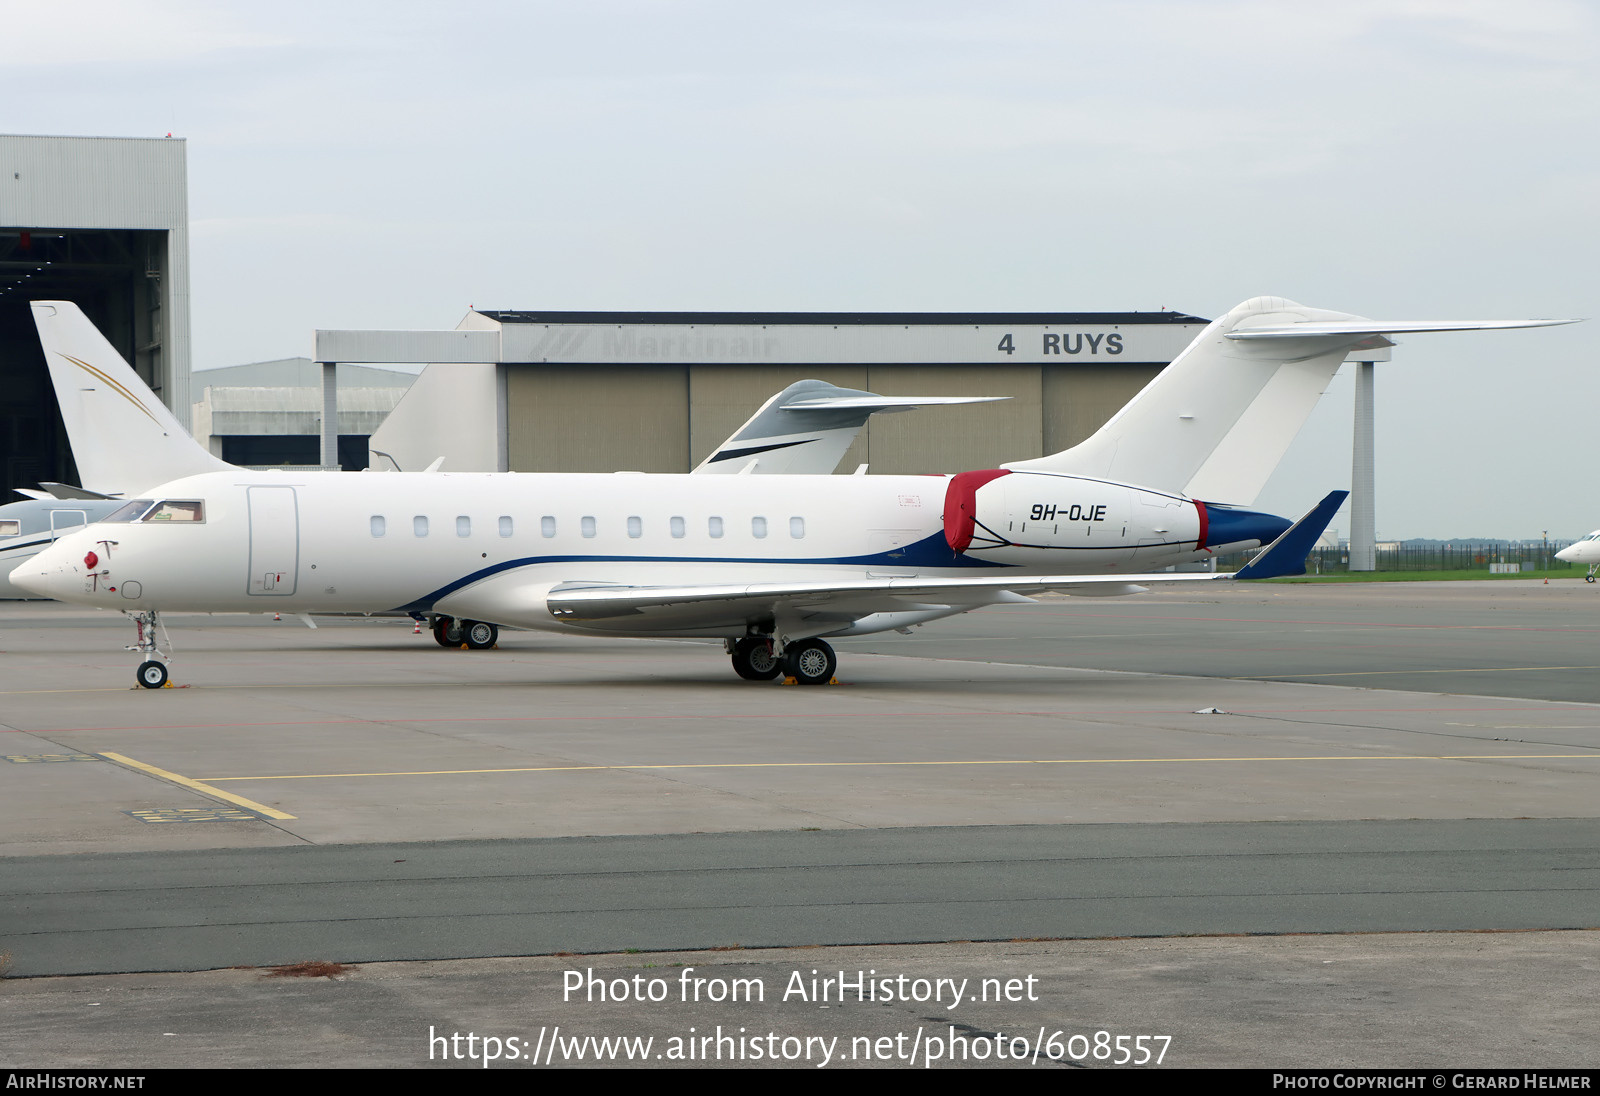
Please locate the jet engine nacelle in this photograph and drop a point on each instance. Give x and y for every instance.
(1028, 518)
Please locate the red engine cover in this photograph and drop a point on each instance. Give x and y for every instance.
(961, 505)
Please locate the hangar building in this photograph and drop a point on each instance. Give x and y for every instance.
(103, 222)
(657, 391)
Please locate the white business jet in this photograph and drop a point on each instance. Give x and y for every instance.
(124, 441)
(772, 572)
(1587, 551)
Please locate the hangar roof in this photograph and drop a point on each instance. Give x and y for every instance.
(834, 318)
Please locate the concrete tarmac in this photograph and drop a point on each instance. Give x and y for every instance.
(957, 783)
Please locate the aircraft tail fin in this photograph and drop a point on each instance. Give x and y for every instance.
(806, 428)
(124, 439)
(1216, 421)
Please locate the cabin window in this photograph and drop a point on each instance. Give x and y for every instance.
(463, 526)
(131, 512)
(547, 526)
(10, 528)
(635, 528)
(797, 528)
(379, 526)
(505, 525)
(758, 527)
(714, 527)
(587, 526)
(419, 525)
(678, 528)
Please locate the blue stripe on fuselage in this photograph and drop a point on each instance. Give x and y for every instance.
(931, 551)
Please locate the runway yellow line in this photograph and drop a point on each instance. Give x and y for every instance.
(196, 785)
(1592, 756)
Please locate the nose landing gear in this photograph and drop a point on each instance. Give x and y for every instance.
(152, 672)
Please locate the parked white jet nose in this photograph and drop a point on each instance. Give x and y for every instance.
(1586, 550)
(53, 573)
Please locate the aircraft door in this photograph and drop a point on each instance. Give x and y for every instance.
(274, 541)
(65, 521)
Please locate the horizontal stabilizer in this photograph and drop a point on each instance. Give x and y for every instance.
(1356, 328)
(873, 404)
(67, 491)
(1287, 554)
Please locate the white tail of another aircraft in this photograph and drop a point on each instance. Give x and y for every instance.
(124, 440)
(1215, 423)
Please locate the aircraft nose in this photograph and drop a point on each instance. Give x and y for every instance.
(1566, 553)
(51, 573)
(1232, 525)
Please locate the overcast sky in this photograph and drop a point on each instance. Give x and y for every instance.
(391, 164)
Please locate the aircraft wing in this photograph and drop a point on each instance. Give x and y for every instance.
(582, 602)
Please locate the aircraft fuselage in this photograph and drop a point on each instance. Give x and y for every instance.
(491, 546)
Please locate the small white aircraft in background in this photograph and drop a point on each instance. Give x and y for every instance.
(1586, 550)
(771, 572)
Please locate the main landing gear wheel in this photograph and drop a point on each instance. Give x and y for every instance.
(753, 659)
(810, 662)
(447, 631)
(152, 674)
(478, 635)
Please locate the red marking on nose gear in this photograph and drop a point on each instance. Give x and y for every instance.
(961, 505)
(91, 561)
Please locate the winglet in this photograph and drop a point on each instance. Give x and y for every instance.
(1287, 554)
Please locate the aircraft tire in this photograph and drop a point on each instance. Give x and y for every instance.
(478, 635)
(447, 631)
(1588, 578)
(152, 674)
(810, 662)
(753, 660)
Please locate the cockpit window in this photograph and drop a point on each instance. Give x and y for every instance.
(10, 528)
(133, 511)
(187, 511)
